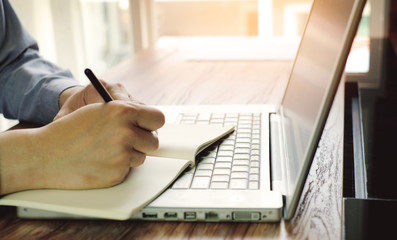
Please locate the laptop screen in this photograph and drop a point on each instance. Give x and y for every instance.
(314, 79)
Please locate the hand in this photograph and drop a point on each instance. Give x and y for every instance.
(93, 147)
(76, 97)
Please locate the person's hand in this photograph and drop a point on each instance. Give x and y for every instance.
(77, 97)
(93, 147)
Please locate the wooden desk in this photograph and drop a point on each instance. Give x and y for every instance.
(162, 76)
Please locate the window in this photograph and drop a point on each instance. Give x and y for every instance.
(77, 34)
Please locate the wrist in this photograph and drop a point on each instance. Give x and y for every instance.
(64, 96)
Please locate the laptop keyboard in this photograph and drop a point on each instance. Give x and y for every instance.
(231, 163)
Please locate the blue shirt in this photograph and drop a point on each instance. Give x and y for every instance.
(29, 85)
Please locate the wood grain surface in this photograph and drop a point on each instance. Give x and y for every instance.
(164, 76)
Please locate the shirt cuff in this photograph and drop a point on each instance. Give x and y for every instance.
(49, 102)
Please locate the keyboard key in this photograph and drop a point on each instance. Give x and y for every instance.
(204, 117)
(240, 156)
(243, 145)
(226, 148)
(239, 175)
(246, 126)
(254, 164)
(201, 183)
(231, 137)
(231, 122)
(243, 135)
(217, 120)
(205, 166)
(202, 122)
(254, 177)
(253, 185)
(238, 183)
(243, 140)
(224, 153)
(242, 151)
(232, 116)
(255, 152)
(244, 130)
(219, 185)
(224, 159)
(189, 115)
(256, 136)
(221, 171)
(188, 121)
(227, 142)
(203, 173)
(218, 115)
(254, 170)
(255, 146)
(242, 115)
(223, 165)
(241, 162)
(220, 178)
(207, 160)
(245, 122)
(238, 168)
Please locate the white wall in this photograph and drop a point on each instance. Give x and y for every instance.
(37, 18)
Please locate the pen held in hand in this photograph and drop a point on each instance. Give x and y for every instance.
(98, 85)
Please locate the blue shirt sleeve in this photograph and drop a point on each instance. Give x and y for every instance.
(29, 85)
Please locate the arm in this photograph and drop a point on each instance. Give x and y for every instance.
(90, 145)
(93, 147)
(29, 85)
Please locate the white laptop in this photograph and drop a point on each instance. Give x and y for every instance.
(258, 172)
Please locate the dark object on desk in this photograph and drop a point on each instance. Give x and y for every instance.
(382, 164)
(379, 124)
(369, 219)
(370, 151)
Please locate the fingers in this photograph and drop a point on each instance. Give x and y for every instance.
(137, 132)
(136, 158)
(117, 91)
(148, 118)
(142, 140)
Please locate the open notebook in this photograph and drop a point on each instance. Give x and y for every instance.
(179, 145)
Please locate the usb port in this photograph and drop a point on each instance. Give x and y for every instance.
(170, 215)
(190, 216)
(149, 215)
(211, 216)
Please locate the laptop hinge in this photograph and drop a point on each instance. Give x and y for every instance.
(277, 156)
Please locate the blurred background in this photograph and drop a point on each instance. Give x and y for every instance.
(99, 34)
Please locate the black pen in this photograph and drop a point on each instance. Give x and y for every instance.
(98, 85)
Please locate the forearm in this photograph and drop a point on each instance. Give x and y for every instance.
(31, 88)
(18, 165)
(29, 85)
